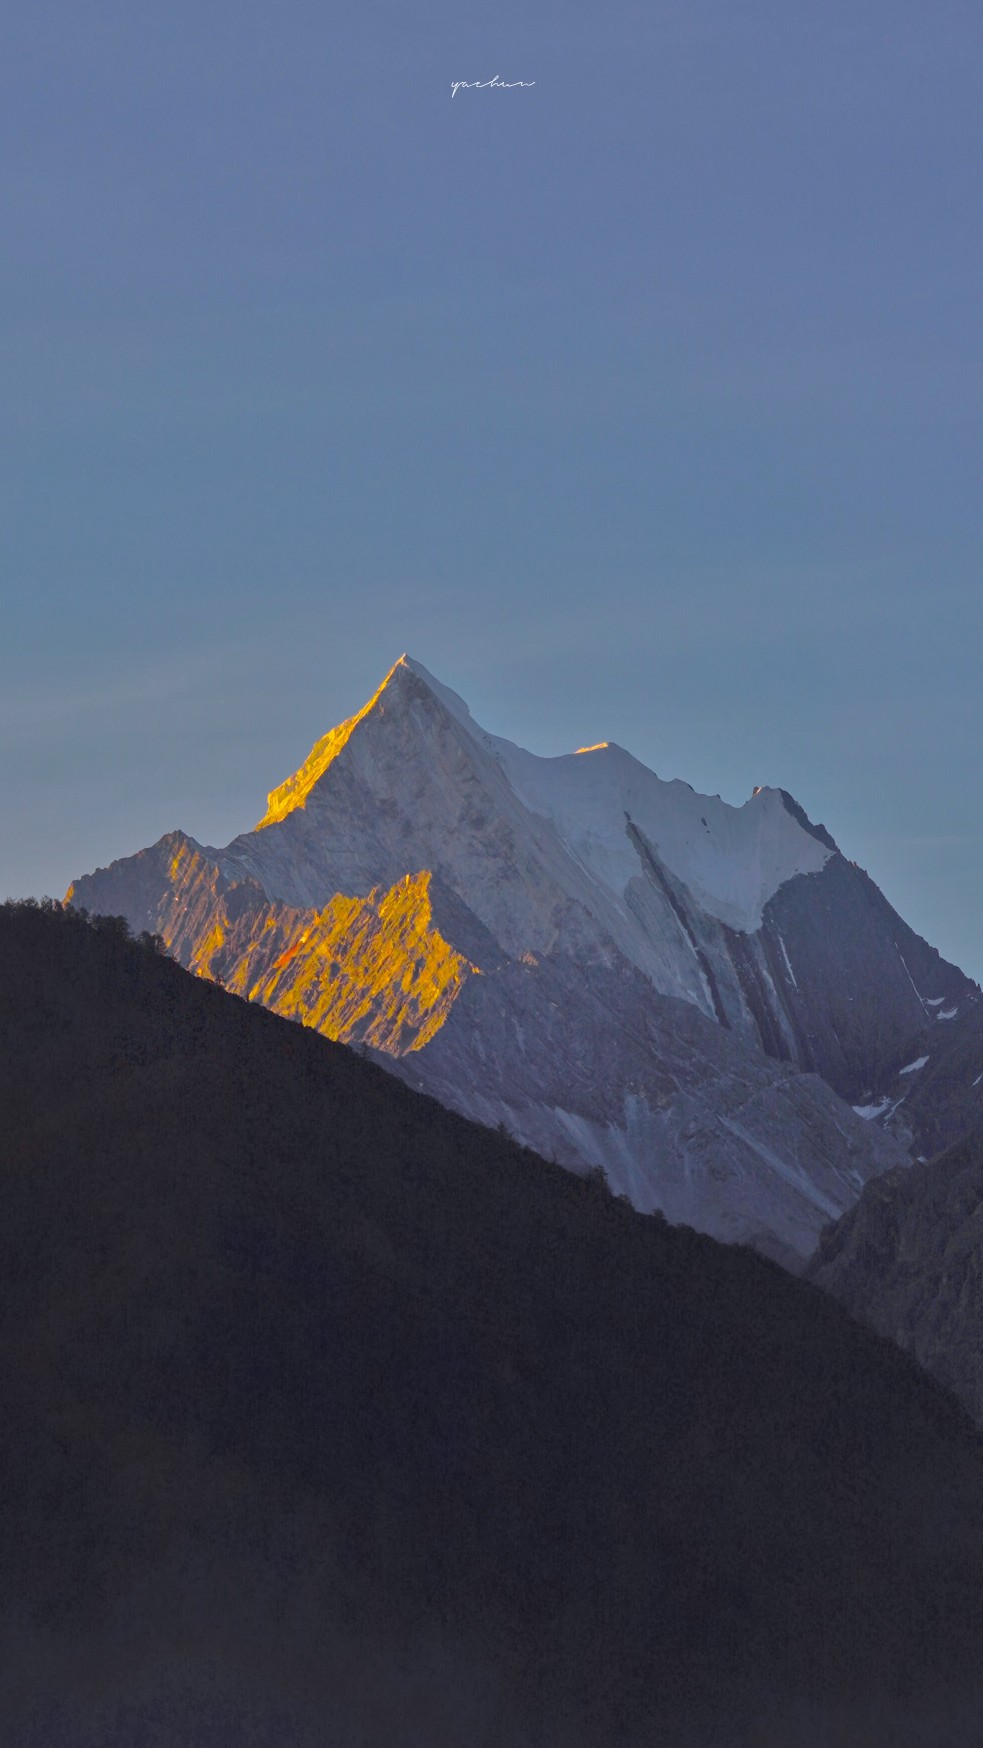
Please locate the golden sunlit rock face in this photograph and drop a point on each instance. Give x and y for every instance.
(640, 947)
(294, 792)
(372, 969)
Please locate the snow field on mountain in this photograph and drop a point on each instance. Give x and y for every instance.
(732, 859)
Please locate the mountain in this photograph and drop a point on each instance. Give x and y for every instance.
(619, 970)
(931, 1093)
(908, 1261)
(329, 1416)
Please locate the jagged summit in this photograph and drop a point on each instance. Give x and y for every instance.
(799, 814)
(732, 859)
(403, 683)
(449, 698)
(295, 790)
(601, 959)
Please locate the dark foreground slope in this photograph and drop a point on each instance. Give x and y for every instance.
(908, 1260)
(330, 1418)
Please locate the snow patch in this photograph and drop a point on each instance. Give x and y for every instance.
(918, 1063)
(788, 965)
(731, 859)
(911, 980)
(947, 1014)
(451, 700)
(934, 1001)
(869, 1112)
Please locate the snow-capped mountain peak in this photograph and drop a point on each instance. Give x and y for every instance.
(607, 808)
(451, 700)
(602, 959)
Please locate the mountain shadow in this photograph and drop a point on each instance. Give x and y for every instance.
(908, 1260)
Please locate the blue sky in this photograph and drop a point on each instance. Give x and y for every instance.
(642, 404)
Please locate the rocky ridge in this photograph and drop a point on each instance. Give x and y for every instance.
(620, 971)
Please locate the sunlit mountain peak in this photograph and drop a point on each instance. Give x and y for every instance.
(400, 686)
(413, 849)
(293, 792)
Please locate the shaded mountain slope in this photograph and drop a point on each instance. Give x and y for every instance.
(908, 1260)
(443, 895)
(330, 1416)
(931, 1093)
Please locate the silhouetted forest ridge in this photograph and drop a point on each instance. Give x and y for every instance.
(330, 1417)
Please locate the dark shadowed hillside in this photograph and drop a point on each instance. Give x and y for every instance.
(908, 1259)
(332, 1418)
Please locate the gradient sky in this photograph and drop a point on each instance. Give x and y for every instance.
(642, 404)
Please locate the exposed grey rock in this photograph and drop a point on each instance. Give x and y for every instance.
(931, 1090)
